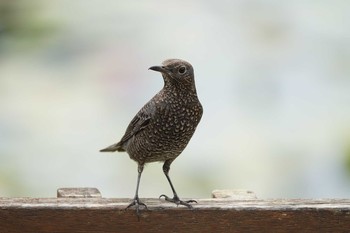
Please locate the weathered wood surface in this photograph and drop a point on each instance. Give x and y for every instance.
(78, 192)
(209, 215)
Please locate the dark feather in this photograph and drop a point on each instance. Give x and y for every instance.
(138, 123)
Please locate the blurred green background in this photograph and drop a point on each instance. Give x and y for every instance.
(273, 77)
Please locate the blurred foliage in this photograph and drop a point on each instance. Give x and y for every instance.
(22, 25)
(347, 157)
(14, 185)
(273, 77)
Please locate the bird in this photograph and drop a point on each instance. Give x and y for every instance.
(163, 127)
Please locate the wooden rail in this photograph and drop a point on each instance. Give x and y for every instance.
(84, 210)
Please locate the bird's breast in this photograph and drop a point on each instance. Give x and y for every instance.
(176, 121)
(170, 129)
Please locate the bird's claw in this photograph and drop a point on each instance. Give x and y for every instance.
(177, 201)
(137, 203)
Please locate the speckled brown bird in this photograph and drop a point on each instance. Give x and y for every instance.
(161, 130)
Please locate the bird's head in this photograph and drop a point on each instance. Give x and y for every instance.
(176, 73)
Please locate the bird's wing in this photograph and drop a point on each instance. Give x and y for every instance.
(138, 123)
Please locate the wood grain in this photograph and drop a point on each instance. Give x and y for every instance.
(209, 215)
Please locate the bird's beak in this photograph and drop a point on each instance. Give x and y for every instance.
(161, 69)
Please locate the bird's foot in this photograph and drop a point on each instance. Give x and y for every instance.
(177, 201)
(137, 203)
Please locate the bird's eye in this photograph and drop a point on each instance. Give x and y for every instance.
(182, 70)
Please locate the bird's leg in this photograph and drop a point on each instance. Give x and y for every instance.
(175, 199)
(136, 201)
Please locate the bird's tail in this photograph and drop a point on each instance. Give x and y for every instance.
(112, 148)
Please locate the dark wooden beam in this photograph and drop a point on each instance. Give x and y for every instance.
(97, 214)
